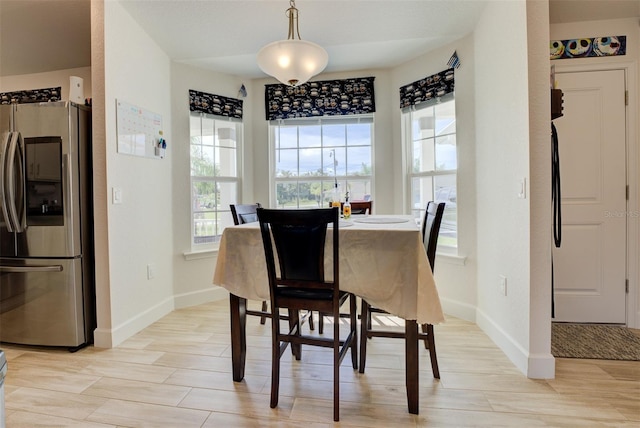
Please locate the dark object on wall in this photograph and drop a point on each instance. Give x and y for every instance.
(427, 89)
(556, 103)
(215, 104)
(31, 96)
(322, 98)
(588, 47)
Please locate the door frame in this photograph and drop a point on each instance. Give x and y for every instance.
(633, 165)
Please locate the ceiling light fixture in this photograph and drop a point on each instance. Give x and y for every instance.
(292, 61)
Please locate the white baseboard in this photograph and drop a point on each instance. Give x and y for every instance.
(458, 309)
(109, 338)
(194, 298)
(541, 366)
(534, 366)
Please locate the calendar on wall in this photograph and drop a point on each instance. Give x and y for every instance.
(138, 130)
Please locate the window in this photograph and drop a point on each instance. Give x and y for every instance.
(215, 182)
(431, 146)
(310, 156)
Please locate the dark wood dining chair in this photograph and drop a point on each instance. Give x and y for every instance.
(361, 207)
(246, 213)
(300, 283)
(357, 208)
(430, 231)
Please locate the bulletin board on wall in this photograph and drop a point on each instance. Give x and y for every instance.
(138, 130)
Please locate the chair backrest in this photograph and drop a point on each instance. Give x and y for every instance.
(299, 237)
(361, 207)
(431, 229)
(244, 213)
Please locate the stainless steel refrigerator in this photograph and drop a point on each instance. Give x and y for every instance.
(47, 287)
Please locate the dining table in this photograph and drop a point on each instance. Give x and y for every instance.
(382, 260)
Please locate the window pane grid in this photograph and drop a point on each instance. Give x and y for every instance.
(431, 140)
(214, 176)
(305, 170)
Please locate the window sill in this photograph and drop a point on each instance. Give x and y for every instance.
(200, 254)
(451, 258)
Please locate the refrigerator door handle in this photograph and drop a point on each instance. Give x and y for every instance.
(4, 165)
(24, 269)
(15, 149)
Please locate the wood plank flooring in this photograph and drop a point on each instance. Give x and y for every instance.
(177, 373)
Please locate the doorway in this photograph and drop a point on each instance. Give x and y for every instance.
(590, 266)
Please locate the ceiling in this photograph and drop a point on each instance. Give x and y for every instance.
(225, 35)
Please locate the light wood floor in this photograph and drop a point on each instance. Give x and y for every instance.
(177, 373)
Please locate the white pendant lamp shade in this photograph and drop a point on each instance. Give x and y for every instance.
(292, 62)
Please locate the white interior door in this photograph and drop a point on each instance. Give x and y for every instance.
(590, 265)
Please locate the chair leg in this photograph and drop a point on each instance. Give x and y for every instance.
(275, 360)
(432, 350)
(425, 330)
(353, 327)
(364, 326)
(294, 320)
(311, 323)
(264, 309)
(320, 322)
(336, 365)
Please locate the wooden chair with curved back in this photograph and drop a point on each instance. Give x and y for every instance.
(430, 231)
(299, 283)
(247, 213)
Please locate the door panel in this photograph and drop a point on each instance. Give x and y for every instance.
(590, 265)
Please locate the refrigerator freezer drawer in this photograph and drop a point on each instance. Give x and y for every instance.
(41, 302)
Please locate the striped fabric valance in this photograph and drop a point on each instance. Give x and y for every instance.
(429, 89)
(215, 104)
(322, 98)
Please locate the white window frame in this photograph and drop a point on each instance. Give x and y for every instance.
(327, 178)
(220, 210)
(444, 245)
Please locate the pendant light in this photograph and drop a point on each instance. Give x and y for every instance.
(292, 61)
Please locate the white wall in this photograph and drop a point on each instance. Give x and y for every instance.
(628, 62)
(541, 363)
(140, 230)
(193, 273)
(49, 79)
(502, 160)
(455, 276)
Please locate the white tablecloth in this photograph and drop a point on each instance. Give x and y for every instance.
(385, 263)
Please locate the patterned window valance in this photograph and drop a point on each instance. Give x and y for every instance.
(429, 89)
(322, 98)
(215, 104)
(31, 96)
